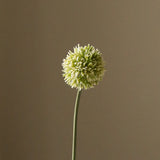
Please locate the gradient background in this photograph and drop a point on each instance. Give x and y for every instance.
(118, 119)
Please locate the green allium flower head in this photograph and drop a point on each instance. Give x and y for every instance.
(83, 68)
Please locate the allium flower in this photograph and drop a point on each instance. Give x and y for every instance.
(83, 68)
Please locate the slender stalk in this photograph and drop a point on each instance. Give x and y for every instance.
(75, 117)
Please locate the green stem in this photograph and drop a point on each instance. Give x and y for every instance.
(75, 125)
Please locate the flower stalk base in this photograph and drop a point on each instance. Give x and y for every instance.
(75, 118)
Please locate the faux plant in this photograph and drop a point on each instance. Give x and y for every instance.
(82, 69)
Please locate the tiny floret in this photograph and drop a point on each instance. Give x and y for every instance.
(83, 68)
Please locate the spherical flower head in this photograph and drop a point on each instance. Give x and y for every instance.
(83, 68)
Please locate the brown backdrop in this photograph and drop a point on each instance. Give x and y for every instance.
(119, 119)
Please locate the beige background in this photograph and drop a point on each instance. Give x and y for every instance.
(119, 119)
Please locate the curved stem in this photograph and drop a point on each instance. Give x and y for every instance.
(75, 117)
